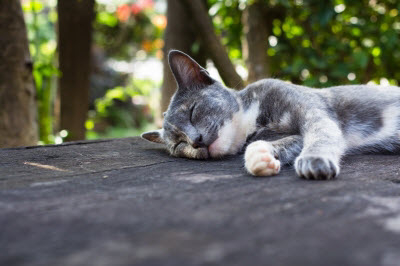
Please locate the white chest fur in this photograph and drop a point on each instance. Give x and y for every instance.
(232, 135)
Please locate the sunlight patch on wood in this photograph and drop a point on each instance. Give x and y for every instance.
(49, 183)
(45, 166)
(200, 178)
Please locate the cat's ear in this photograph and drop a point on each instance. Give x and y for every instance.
(154, 136)
(187, 72)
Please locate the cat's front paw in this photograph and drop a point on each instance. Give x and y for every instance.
(315, 167)
(259, 159)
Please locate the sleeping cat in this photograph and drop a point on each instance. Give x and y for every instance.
(276, 123)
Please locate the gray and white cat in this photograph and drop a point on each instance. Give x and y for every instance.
(275, 122)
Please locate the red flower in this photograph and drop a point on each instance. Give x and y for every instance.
(136, 8)
(123, 13)
(146, 3)
(140, 5)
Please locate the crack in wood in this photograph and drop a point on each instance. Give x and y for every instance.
(61, 145)
(116, 169)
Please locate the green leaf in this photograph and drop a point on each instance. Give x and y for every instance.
(30, 6)
(376, 51)
(107, 19)
(361, 58)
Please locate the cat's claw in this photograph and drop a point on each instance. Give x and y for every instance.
(260, 161)
(314, 167)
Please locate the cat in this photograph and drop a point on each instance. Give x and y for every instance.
(276, 123)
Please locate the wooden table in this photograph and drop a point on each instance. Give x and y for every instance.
(126, 202)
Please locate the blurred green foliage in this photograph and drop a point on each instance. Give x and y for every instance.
(41, 17)
(322, 43)
(124, 30)
(124, 110)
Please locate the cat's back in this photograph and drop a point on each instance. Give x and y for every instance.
(275, 88)
(348, 91)
(366, 93)
(285, 94)
(368, 115)
(361, 102)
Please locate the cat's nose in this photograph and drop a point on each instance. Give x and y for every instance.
(198, 142)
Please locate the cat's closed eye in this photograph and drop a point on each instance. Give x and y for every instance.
(180, 143)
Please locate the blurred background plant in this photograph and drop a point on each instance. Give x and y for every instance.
(40, 17)
(311, 42)
(127, 42)
(320, 43)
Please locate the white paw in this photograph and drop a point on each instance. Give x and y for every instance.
(259, 159)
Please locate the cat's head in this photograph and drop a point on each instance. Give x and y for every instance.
(202, 118)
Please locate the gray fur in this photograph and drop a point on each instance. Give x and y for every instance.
(311, 128)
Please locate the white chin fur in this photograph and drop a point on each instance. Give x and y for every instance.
(232, 136)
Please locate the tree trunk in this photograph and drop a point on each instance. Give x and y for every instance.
(75, 37)
(217, 52)
(180, 34)
(18, 125)
(255, 44)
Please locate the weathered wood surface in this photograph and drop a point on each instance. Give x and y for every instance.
(126, 202)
